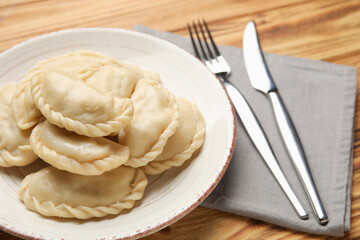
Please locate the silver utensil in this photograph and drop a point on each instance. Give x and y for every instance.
(261, 80)
(218, 65)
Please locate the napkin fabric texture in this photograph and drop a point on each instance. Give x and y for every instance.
(320, 98)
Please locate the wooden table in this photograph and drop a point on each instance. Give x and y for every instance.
(326, 30)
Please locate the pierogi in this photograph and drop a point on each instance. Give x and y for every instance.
(116, 81)
(15, 149)
(70, 103)
(187, 138)
(69, 151)
(156, 118)
(119, 81)
(81, 64)
(52, 192)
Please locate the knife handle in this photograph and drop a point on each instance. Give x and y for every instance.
(261, 142)
(297, 154)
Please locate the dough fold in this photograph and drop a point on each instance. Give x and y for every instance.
(55, 193)
(69, 151)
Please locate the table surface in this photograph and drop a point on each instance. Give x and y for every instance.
(327, 30)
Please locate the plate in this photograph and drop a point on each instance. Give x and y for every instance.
(169, 196)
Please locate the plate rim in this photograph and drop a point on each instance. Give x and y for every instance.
(176, 216)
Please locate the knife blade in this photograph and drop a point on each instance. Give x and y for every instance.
(261, 80)
(256, 67)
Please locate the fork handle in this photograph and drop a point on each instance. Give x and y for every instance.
(261, 142)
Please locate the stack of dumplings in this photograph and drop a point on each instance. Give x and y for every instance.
(101, 125)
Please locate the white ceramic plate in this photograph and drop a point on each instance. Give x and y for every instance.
(169, 196)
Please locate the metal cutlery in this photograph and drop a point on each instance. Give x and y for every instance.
(261, 80)
(218, 65)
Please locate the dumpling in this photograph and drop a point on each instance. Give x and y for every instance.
(187, 138)
(15, 149)
(116, 81)
(80, 64)
(70, 103)
(52, 192)
(69, 151)
(156, 118)
(119, 81)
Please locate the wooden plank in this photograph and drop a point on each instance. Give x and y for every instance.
(12, 3)
(39, 17)
(323, 30)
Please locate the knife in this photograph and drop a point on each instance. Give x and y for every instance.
(261, 80)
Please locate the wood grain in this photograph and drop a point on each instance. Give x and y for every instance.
(323, 30)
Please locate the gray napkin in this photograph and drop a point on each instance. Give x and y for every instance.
(320, 98)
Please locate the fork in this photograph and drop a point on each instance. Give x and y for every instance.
(218, 65)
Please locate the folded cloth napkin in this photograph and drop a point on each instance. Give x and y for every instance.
(320, 98)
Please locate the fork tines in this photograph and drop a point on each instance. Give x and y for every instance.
(211, 53)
